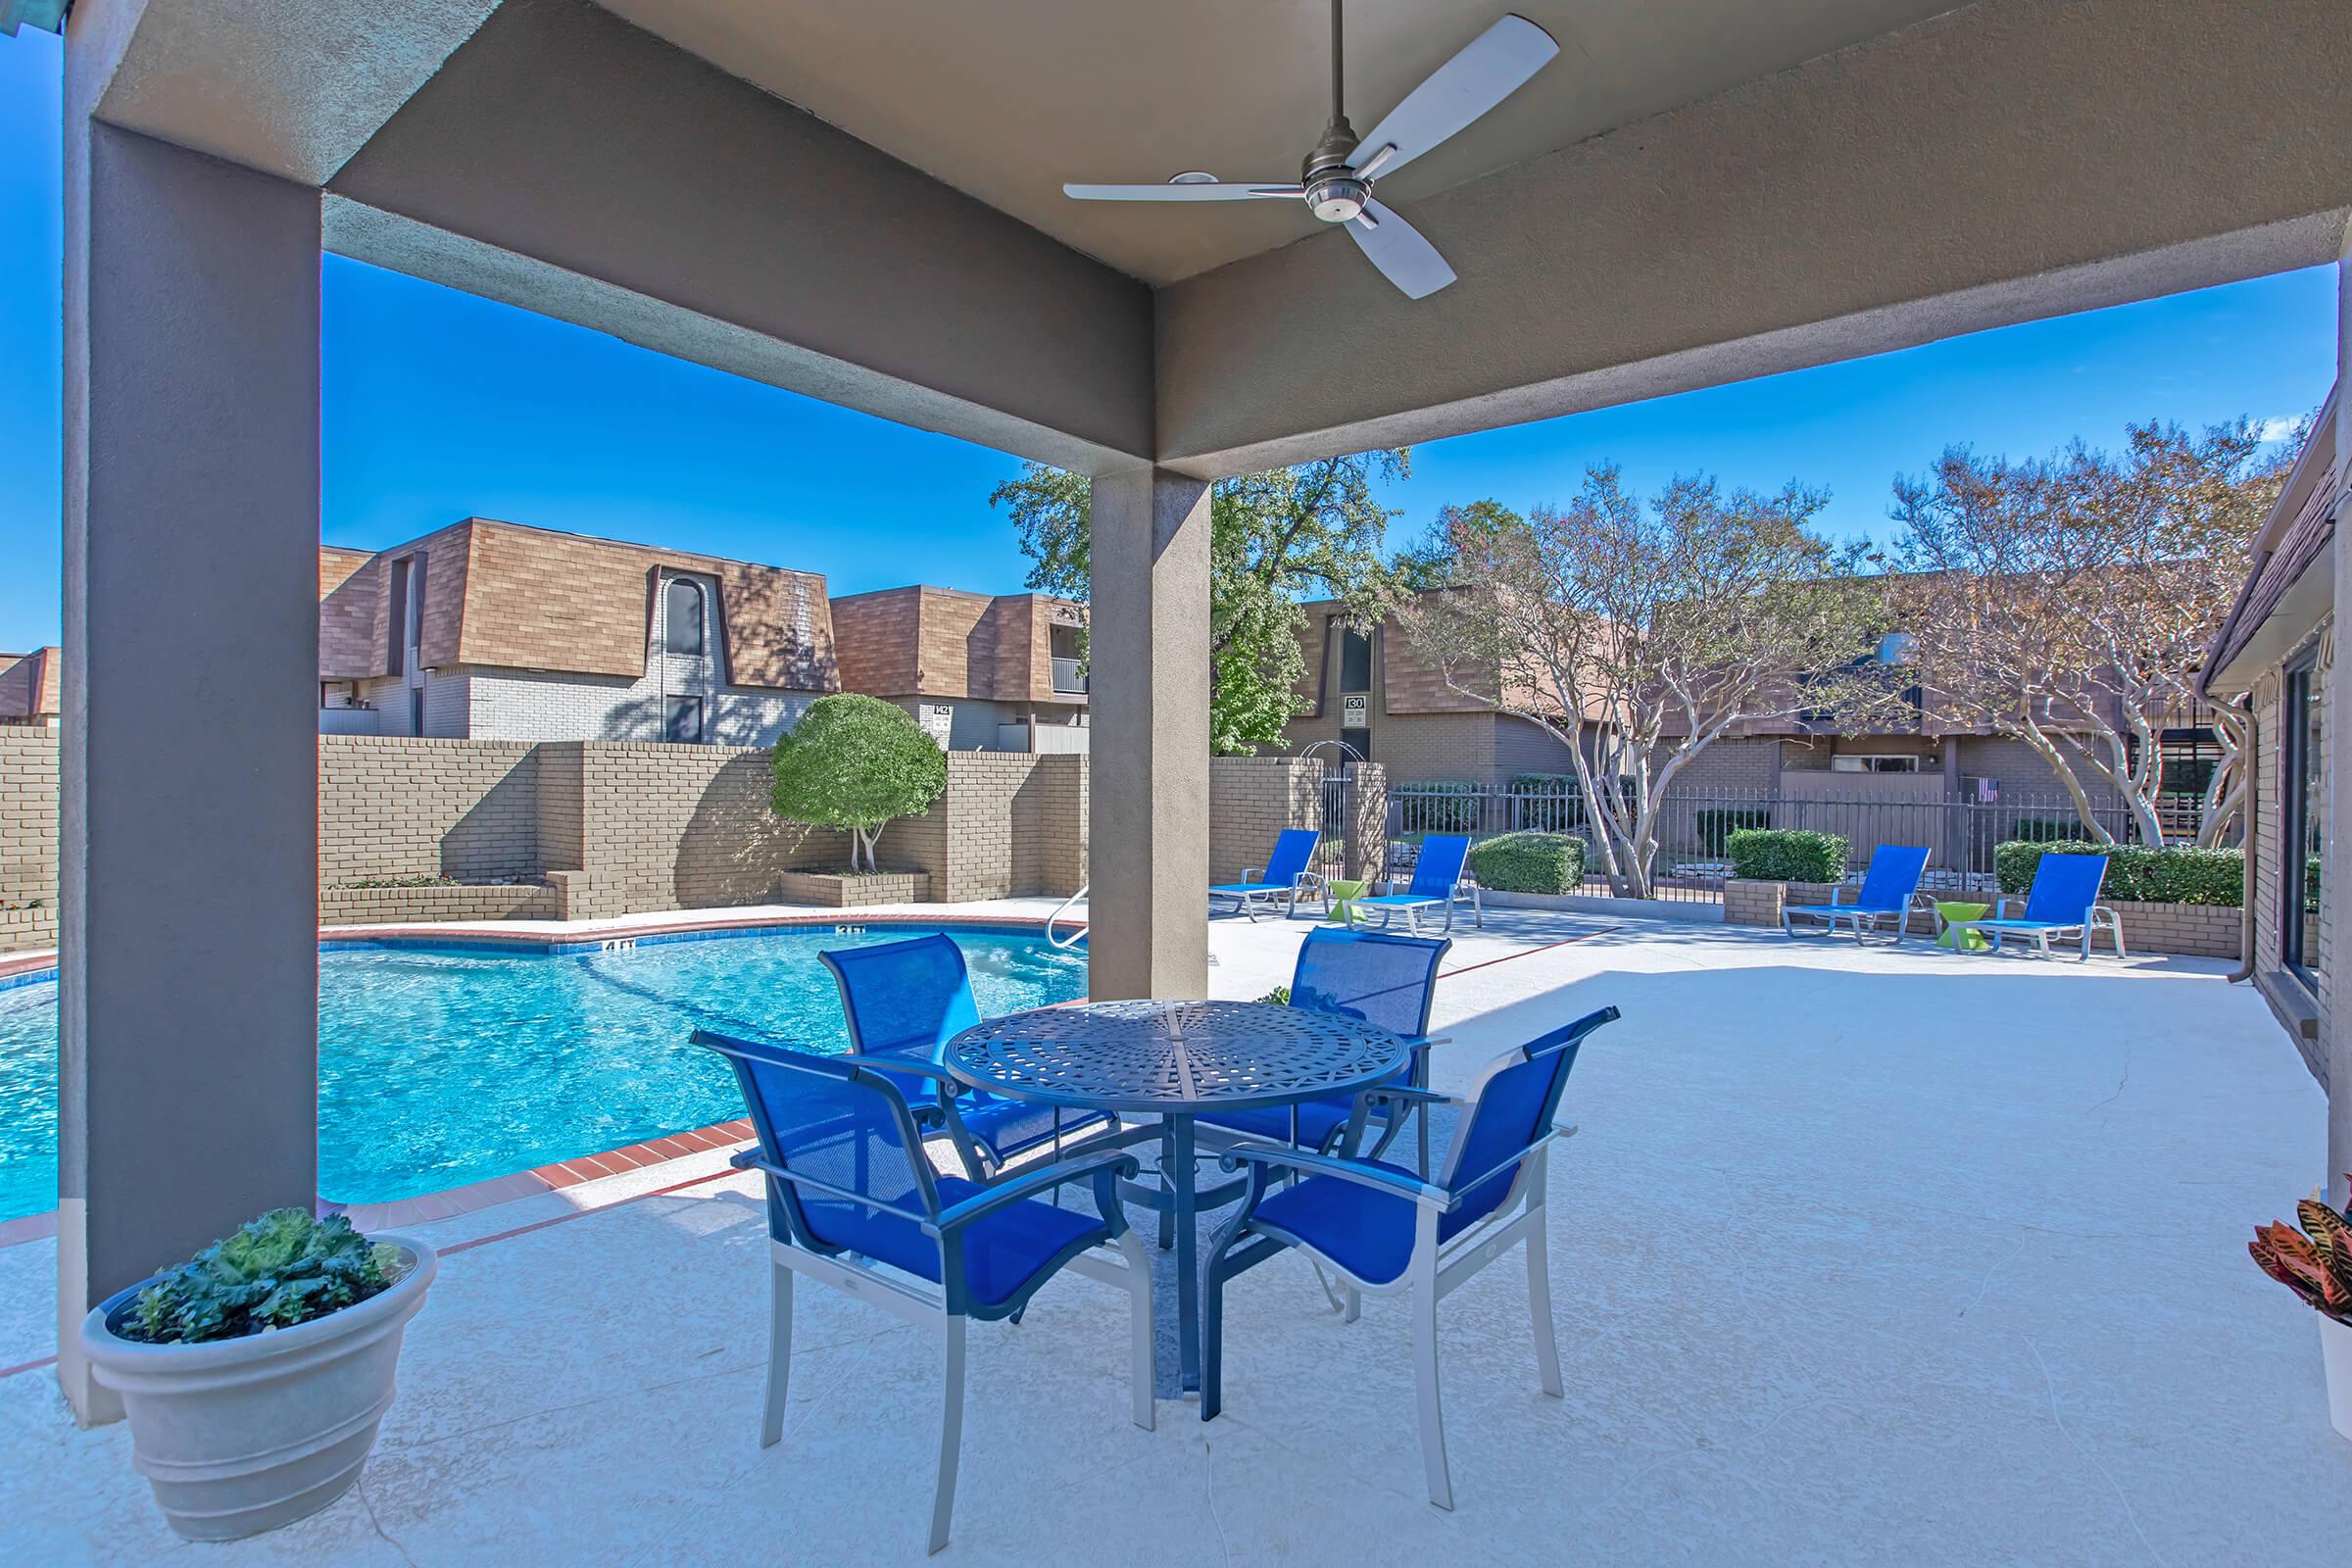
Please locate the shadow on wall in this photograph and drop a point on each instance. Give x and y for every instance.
(732, 848)
(498, 836)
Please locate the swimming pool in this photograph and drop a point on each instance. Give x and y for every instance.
(442, 1065)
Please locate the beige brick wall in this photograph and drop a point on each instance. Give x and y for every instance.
(1251, 801)
(28, 829)
(422, 808)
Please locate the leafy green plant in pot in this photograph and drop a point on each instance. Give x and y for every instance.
(2316, 1263)
(256, 1374)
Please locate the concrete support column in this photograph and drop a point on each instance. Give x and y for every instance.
(1147, 646)
(2335, 1021)
(188, 965)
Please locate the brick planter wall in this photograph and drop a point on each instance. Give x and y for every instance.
(28, 835)
(29, 928)
(378, 905)
(847, 892)
(2189, 930)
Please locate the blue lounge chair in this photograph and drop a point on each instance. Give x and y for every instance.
(1385, 1230)
(1284, 879)
(1437, 882)
(2064, 902)
(1887, 890)
(852, 1202)
(907, 999)
(1380, 979)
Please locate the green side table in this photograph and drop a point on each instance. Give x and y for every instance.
(1341, 892)
(1957, 939)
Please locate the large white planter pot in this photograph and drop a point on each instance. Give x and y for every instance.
(241, 1436)
(2335, 1349)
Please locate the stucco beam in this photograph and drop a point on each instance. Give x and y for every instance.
(2014, 159)
(289, 87)
(642, 191)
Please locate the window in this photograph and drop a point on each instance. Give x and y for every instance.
(416, 710)
(684, 721)
(2303, 817)
(397, 620)
(682, 618)
(1875, 763)
(1355, 662)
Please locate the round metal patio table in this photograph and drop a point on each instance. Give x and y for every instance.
(1174, 1060)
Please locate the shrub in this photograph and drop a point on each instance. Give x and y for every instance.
(2044, 829)
(1786, 854)
(1548, 803)
(276, 1271)
(1437, 806)
(1716, 823)
(855, 761)
(1529, 863)
(2137, 872)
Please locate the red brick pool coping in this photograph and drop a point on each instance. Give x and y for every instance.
(550, 1178)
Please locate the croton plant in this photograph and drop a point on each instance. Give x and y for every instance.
(2316, 1263)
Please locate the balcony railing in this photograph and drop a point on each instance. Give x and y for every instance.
(1069, 675)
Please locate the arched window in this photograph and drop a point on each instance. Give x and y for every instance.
(682, 618)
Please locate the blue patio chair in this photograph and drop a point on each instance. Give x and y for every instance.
(1284, 879)
(1383, 980)
(1385, 1231)
(907, 999)
(1437, 880)
(852, 1202)
(1889, 889)
(2064, 902)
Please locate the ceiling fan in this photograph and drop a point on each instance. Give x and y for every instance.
(1335, 178)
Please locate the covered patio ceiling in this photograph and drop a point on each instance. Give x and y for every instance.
(862, 203)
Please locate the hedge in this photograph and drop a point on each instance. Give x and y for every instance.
(1548, 803)
(1716, 824)
(1529, 863)
(1437, 806)
(2046, 830)
(1788, 855)
(2136, 872)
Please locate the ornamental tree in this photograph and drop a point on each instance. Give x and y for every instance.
(857, 762)
(1637, 634)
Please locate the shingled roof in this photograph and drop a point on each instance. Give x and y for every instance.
(2301, 526)
(502, 595)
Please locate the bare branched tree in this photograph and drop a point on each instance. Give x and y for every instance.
(1639, 635)
(2067, 601)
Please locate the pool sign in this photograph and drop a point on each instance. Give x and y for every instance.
(1355, 712)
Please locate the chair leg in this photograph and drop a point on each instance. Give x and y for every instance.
(779, 1354)
(951, 1435)
(1539, 1304)
(1425, 1379)
(1355, 1305)
(1139, 1353)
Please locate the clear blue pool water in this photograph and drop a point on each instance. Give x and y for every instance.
(437, 1068)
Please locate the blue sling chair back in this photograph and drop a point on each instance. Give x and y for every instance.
(1386, 1231)
(1287, 876)
(852, 1202)
(2063, 903)
(909, 999)
(1437, 882)
(1887, 890)
(1385, 980)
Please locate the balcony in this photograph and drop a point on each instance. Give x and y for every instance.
(1069, 676)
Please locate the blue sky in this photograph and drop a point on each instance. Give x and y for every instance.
(437, 406)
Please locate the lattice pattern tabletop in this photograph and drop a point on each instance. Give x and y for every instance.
(1173, 1055)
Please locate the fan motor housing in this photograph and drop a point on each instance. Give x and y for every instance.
(1336, 197)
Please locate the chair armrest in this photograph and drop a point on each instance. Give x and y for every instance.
(1383, 887)
(1419, 1097)
(1029, 1183)
(1347, 1171)
(1838, 894)
(747, 1159)
(1253, 873)
(915, 1066)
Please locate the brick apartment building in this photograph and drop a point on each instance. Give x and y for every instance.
(1373, 690)
(491, 630)
(980, 672)
(31, 690)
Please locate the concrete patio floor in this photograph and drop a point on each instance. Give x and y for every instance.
(1862, 1257)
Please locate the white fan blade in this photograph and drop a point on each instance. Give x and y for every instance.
(1397, 249)
(1494, 65)
(1197, 191)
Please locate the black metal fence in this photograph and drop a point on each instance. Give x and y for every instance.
(1693, 825)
